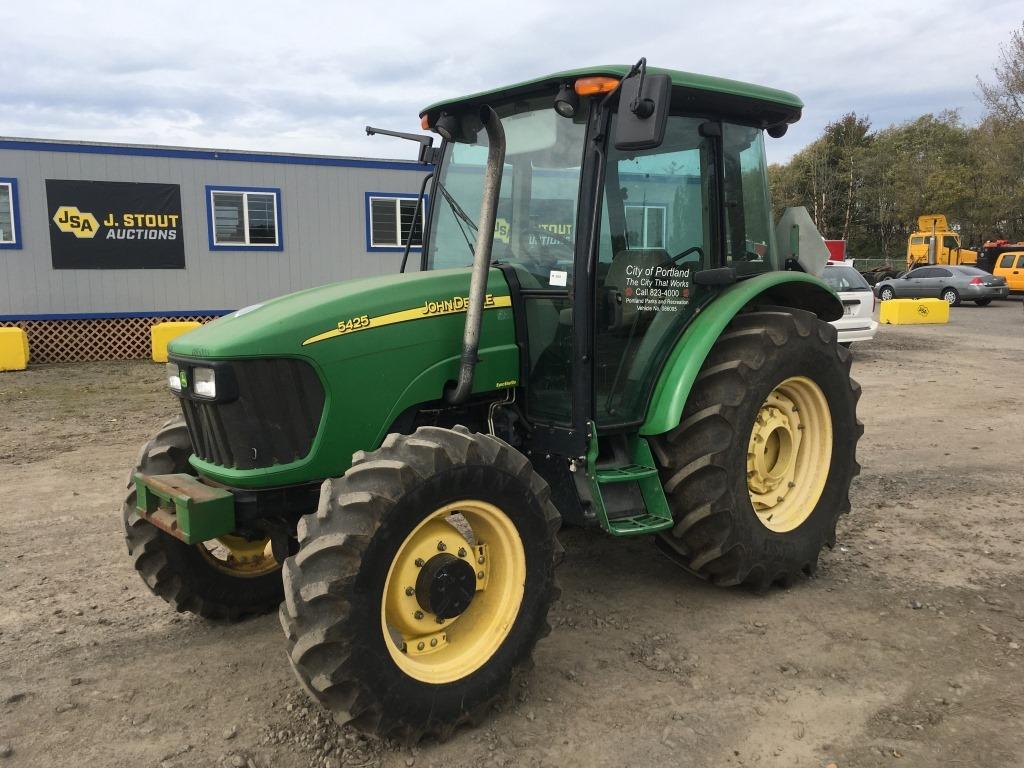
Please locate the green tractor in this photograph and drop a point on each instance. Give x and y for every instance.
(618, 339)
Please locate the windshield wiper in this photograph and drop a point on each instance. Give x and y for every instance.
(460, 216)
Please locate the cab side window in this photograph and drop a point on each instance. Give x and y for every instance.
(748, 216)
(1006, 262)
(1020, 262)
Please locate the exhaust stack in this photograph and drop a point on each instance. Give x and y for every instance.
(481, 255)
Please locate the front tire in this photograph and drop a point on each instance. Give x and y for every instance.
(228, 579)
(759, 468)
(951, 297)
(366, 636)
(886, 293)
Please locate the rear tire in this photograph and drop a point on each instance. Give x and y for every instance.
(344, 642)
(951, 297)
(704, 462)
(983, 302)
(179, 573)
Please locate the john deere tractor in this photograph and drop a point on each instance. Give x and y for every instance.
(605, 331)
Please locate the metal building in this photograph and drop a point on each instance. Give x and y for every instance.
(99, 241)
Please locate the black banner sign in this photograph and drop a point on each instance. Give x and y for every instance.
(115, 225)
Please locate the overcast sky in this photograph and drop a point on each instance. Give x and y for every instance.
(308, 76)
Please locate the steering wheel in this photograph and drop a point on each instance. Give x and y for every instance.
(534, 252)
(693, 249)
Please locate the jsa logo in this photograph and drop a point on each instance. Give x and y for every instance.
(69, 219)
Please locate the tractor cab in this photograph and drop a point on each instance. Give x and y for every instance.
(611, 247)
(629, 198)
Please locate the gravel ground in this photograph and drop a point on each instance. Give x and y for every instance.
(904, 651)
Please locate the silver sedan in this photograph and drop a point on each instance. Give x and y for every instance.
(955, 284)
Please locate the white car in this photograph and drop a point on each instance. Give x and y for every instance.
(858, 321)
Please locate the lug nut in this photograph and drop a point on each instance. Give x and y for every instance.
(440, 620)
(419, 646)
(409, 591)
(441, 547)
(462, 551)
(418, 615)
(419, 562)
(480, 560)
(433, 642)
(479, 574)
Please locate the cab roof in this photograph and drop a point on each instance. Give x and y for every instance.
(732, 98)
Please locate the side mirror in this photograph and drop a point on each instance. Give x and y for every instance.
(643, 111)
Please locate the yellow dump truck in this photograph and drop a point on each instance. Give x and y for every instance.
(935, 243)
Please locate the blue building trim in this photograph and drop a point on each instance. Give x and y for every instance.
(116, 315)
(15, 216)
(210, 154)
(392, 196)
(275, 191)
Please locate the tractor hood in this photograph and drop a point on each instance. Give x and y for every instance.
(313, 323)
(379, 346)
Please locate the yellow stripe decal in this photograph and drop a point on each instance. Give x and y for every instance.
(451, 306)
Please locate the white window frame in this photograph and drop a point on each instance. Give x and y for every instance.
(664, 225)
(277, 245)
(12, 198)
(397, 199)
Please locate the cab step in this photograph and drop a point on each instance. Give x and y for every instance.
(648, 511)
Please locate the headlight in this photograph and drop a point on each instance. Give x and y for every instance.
(204, 382)
(174, 377)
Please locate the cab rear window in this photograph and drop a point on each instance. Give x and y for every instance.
(841, 279)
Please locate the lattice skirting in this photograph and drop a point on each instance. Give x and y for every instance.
(114, 338)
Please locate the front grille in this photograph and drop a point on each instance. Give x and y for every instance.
(273, 420)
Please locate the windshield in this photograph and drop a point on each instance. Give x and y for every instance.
(844, 279)
(536, 221)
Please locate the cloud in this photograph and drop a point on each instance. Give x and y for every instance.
(306, 77)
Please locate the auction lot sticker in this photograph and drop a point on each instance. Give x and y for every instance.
(115, 225)
(658, 289)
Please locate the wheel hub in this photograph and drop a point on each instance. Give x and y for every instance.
(453, 591)
(774, 442)
(445, 586)
(789, 454)
(238, 556)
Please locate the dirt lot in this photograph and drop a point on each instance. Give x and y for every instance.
(904, 651)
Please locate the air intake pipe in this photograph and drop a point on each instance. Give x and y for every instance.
(481, 255)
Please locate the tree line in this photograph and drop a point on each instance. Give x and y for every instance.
(869, 186)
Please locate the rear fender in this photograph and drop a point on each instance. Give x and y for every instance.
(787, 289)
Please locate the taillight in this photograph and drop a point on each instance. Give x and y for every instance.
(976, 281)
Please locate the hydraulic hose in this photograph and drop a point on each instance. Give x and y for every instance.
(481, 255)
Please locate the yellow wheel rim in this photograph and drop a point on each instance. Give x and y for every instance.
(435, 651)
(238, 556)
(789, 454)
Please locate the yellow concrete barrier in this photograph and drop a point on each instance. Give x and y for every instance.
(913, 311)
(13, 349)
(161, 335)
